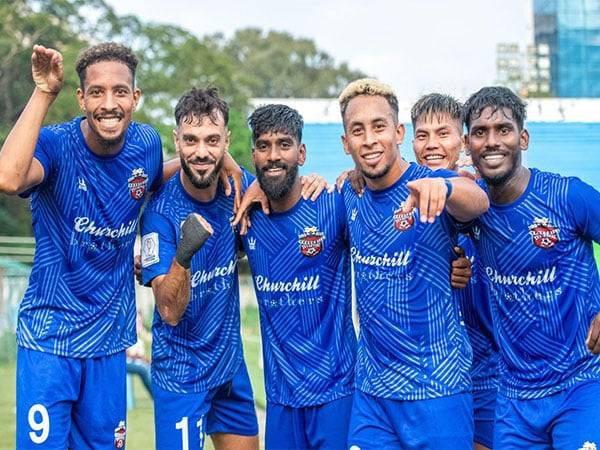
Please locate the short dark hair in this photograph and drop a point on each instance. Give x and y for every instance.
(435, 104)
(497, 98)
(198, 103)
(276, 119)
(107, 51)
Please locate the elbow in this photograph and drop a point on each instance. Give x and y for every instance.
(168, 316)
(8, 185)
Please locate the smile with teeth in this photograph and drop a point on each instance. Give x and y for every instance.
(434, 157)
(493, 157)
(372, 157)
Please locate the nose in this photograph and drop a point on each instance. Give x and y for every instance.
(274, 154)
(369, 137)
(492, 139)
(201, 150)
(432, 142)
(110, 102)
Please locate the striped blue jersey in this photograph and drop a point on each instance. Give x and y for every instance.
(477, 315)
(412, 345)
(301, 270)
(204, 349)
(80, 301)
(543, 283)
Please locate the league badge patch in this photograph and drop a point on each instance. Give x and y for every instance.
(403, 220)
(120, 435)
(137, 183)
(543, 233)
(311, 241)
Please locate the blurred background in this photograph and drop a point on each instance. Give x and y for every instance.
(301, 54)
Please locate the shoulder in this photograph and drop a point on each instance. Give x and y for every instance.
(165, 196)
(142, 133)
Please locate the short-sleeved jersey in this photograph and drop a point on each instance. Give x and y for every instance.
(204, 349)
(477, 315)
(301, 270)
(80, 301)
(412, 345)
(542, 279)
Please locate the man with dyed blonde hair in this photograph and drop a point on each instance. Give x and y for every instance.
(412, 372)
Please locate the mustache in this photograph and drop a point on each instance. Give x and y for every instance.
(206, 160)
(274, 165)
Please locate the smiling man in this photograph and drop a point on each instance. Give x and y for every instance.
(189, 257)
(438, 140)
(412, 371)
(87, 179)
(535, 243)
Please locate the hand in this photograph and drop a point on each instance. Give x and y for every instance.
(466, 162)
(194, 233)
(254, 194)
(461, 270)
(231, 169)
(357, 181)
(137, 268)
(313, 185)
(593, 337)
(47, 69)
(427, 194)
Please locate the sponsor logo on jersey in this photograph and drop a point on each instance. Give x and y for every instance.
(311, 241)
(587, 445)
(403, 220)
(87, 226)
(120, 432)
(137, 183)
(543, 233)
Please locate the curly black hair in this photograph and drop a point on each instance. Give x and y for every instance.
(107, 51)
(497, 98)
(276, 119)
(197, 103)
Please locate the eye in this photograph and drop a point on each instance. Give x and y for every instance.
(121, 92)
(478, 133)
(214, 140)
(356, 131)
(285, 145)
(504, 130)
(94, 92)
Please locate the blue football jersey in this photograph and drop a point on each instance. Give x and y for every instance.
(477, 315)
(542, 279)
(301, 270)
(80, 301)
(412, 345)
(204, 349)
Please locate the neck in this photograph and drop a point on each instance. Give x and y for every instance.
(95, 146)
(396, 171)
(288, 202)
(202, 195)
(511, 189)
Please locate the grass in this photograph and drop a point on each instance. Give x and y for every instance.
(597, 254)
(140, 419)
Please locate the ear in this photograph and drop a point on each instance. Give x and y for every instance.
(524, 139)
(80, 99)
(137, 94)
(400, 133)
(301, 154)
(345, 144)
(176, 142)
(465, 140)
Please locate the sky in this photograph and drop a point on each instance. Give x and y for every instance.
(417, 46)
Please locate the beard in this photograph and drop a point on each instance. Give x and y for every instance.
(375, 174)
(203, 179)
(502, 178)
(277, 188)
(105, 143)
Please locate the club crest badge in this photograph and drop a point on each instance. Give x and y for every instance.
(543, 233)
(120, 432)
(403, 220)
(137, 183)
(311, 241)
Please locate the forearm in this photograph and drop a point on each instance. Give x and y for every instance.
(172, 294)
(17, 152)
(467, 200)
(170, 167)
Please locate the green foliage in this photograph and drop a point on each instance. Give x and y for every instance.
(172, 60)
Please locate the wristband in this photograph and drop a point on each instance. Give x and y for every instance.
(448, 184)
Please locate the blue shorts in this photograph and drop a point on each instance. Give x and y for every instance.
(181, 421)
(440, 423)
(568, 419)
(70, 402)
(317, 427)
(484, 413)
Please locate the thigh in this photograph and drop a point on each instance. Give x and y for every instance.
(370, 427)
(47, 388)
(180, 419)
(99, 413)
(327, 424)
(232, 407)
(578, 421)
(440, 423)
(285, 428)
(484, 412)
(521, 424)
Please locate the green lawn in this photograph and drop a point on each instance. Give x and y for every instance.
(597, 254)
(140, 419)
